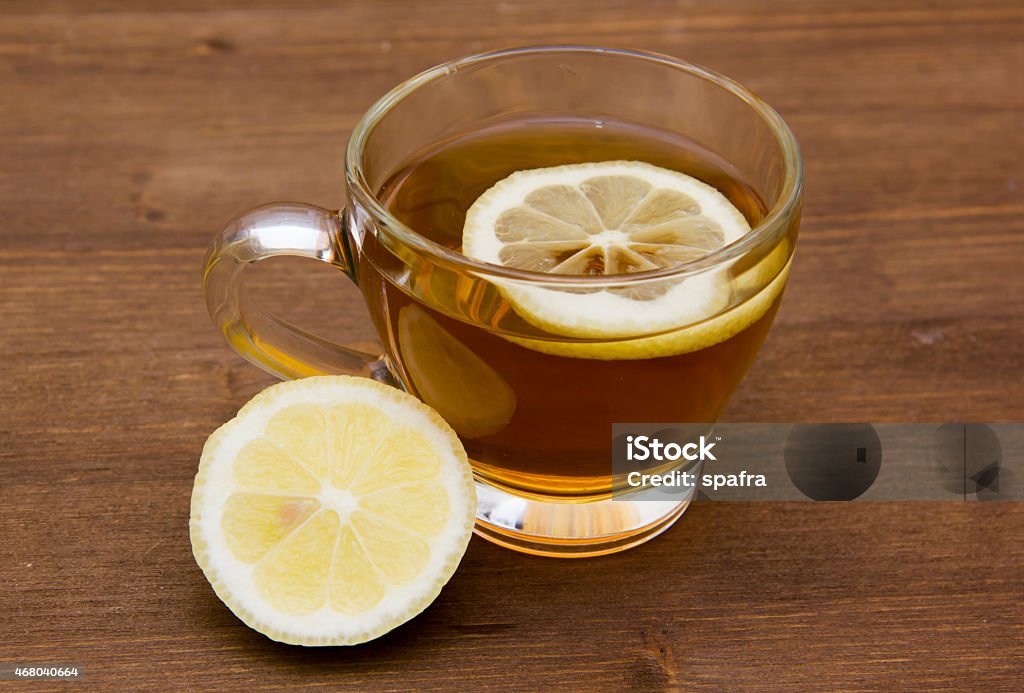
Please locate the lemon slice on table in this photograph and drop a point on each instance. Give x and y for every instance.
(613, 218)
(331, 510)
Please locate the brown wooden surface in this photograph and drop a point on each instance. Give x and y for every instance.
(129, 132)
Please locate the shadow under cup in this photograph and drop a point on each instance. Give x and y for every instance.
(533, 404)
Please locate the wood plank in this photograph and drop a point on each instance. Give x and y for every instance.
(130, 131)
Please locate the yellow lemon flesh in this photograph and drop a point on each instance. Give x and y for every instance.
(331, 509)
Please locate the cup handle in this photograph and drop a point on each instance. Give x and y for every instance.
(259, 336)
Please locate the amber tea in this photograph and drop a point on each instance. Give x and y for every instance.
(534, 413)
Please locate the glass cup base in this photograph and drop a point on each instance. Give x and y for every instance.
(571, 530)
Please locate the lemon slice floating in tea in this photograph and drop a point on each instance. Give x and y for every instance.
(331, 510)
(614, 218)
(471, 396)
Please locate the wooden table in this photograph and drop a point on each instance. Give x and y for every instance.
(130, 131)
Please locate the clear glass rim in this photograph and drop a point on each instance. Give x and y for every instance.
(779, 213)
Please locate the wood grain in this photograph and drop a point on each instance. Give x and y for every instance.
(130, 131)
